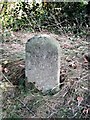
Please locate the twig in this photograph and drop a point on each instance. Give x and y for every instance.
(37, 102)
(26, 107)
(50, 107)
(59, 24)
(7, 79)
(83, 78)
(52, 114)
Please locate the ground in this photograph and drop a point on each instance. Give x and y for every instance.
(72, 100)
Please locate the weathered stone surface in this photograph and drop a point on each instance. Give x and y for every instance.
(43, 62)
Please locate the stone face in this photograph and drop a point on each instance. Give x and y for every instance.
(43, 62)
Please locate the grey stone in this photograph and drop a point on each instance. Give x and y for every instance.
(42, 64)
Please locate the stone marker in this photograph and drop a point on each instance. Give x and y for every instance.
(43, 62)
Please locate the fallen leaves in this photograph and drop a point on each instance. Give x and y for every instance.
(14, 71)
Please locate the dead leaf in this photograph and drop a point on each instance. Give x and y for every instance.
(85, 60)
(73, 65)
(68, 59)
(6, 70)
(66, 46)
(86, 110)
(5, 62)
(79, 99)
(23, 66)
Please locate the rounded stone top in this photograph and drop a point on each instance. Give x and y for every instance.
(42, 40)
